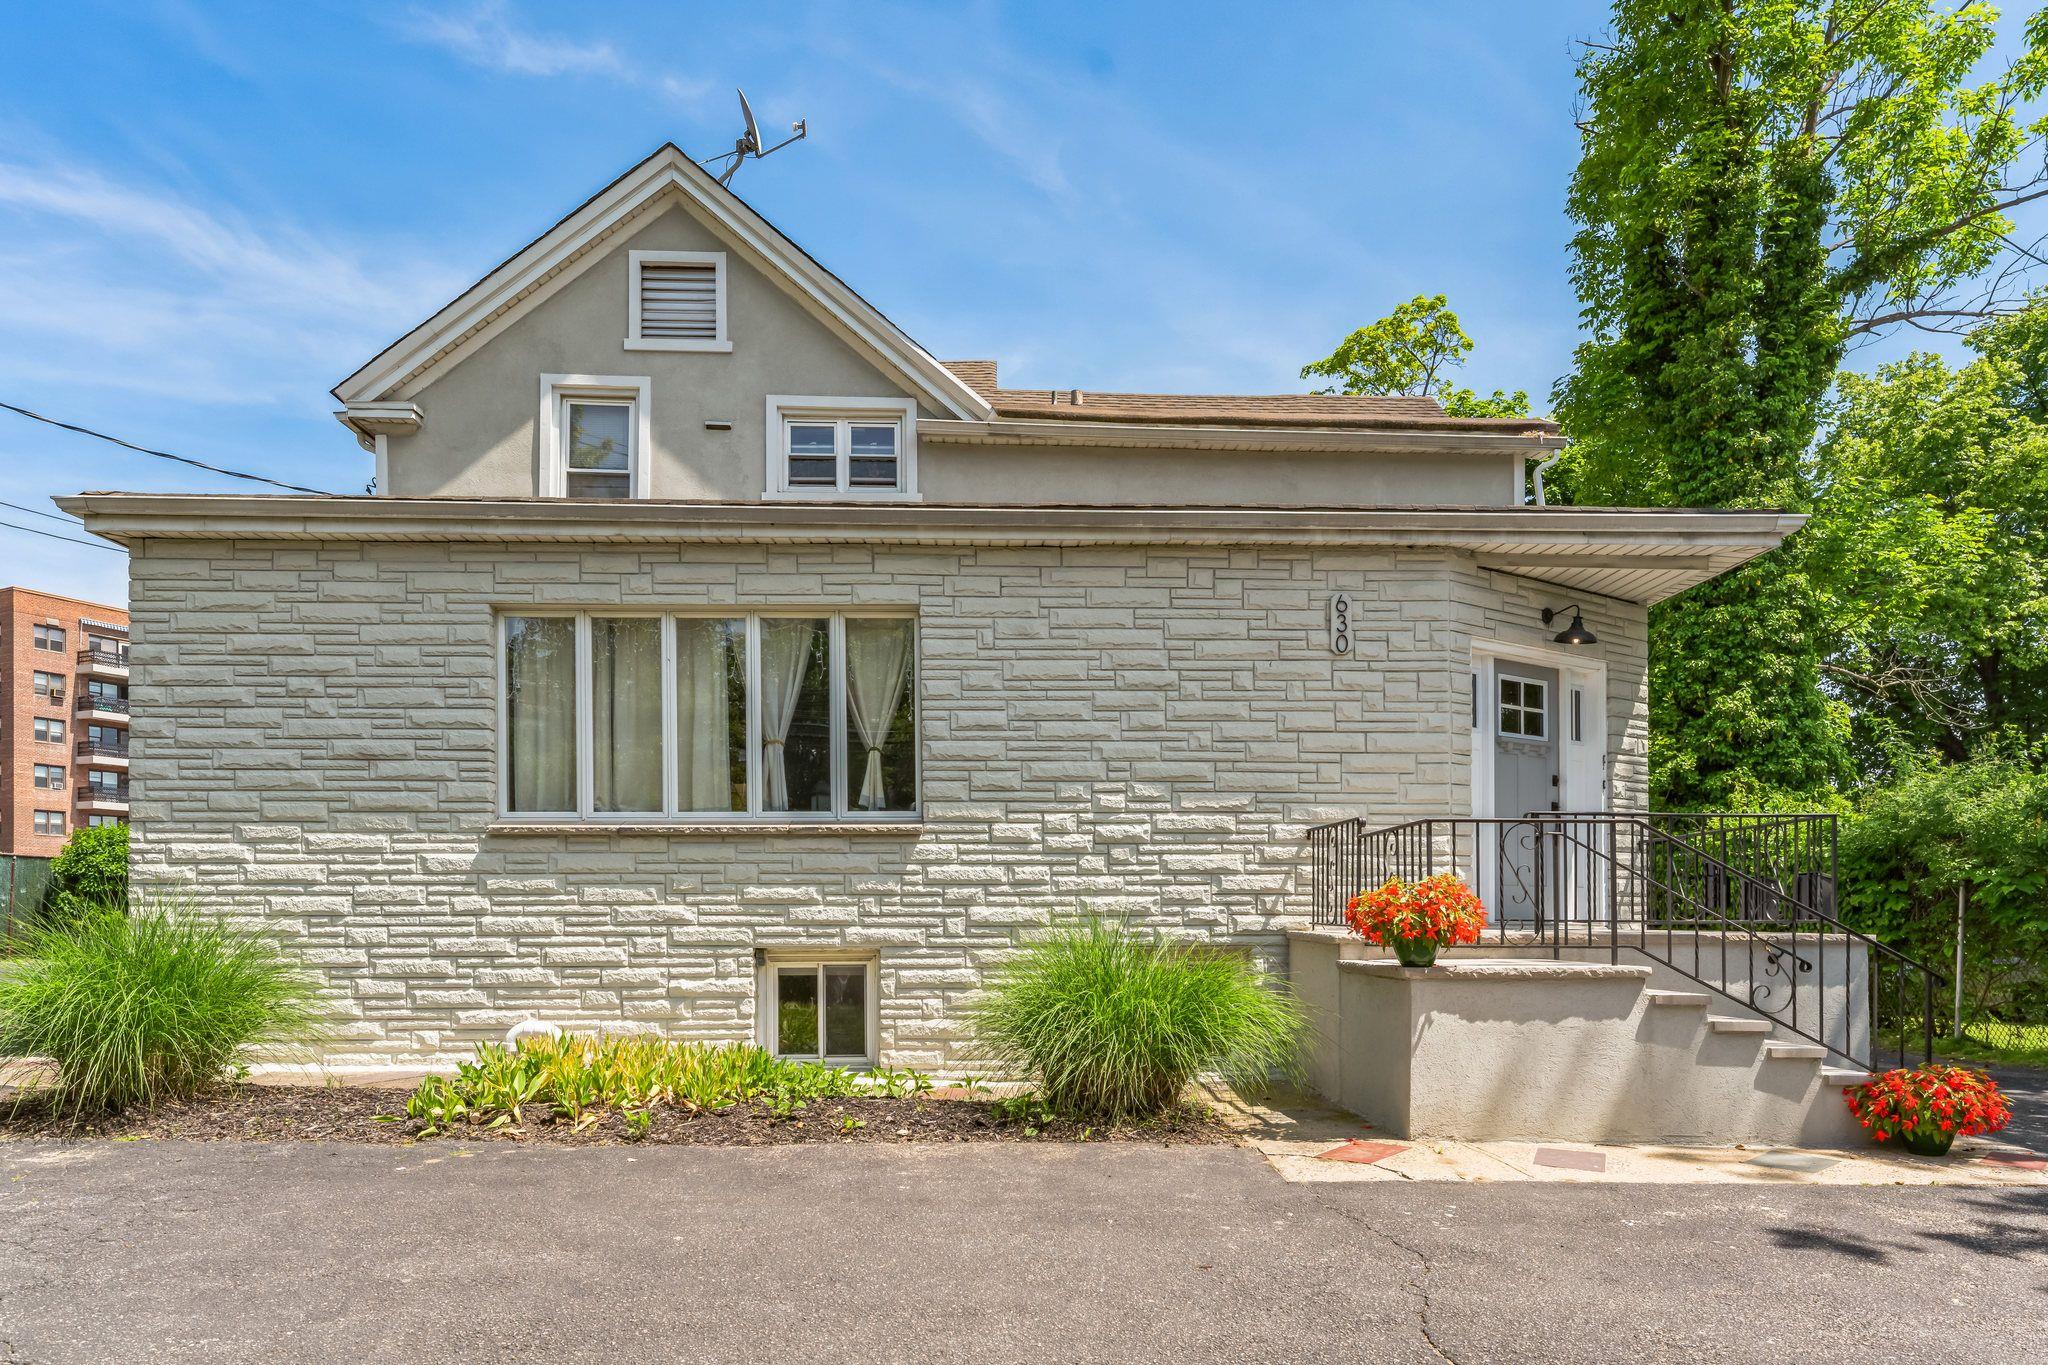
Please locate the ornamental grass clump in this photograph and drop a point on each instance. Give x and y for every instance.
(1113, 1026)
(138, 1009)
(1926, 1108)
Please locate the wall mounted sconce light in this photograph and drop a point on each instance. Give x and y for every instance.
(1573, 634)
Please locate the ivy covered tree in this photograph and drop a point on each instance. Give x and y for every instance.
(1413, 350)
(1762, 183)
(1929, 554)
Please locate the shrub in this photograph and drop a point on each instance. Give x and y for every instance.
(1110, 1025)
(575, 1079)
(90, 871)
(142, 1008)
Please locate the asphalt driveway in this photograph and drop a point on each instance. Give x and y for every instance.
(240, 1252)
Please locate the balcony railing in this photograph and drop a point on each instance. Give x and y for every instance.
(103, 791)
(88, 701)
(106, 658)
(88, 749)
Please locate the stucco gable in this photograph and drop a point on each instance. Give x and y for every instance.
(574, 245)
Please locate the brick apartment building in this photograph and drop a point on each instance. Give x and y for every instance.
(63, 719)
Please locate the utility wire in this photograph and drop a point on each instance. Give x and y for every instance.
(72, 522)
(93, 544)
(165, 454)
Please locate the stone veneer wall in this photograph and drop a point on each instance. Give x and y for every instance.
(1143, 730)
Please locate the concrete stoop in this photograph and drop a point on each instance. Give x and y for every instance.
(1531, 1048)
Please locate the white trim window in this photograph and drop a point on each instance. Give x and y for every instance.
(707, 717)
(820, 1009)
(677, 302)
(842, 449)
(596, 434)
(1524, 707)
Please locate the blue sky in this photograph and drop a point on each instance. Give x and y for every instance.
(210, 213)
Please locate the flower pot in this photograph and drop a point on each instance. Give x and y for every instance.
(1413, 952)
(1922, 1143)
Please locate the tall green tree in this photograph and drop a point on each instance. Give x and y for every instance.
(1763, 182)
(1413, 350)
(1929, 555)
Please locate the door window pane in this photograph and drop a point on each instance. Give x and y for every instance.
(711, 715)
(540, 712)
(796, 715)
(625, 714)
(846, 1011)
(881, 732)
(796, 1011)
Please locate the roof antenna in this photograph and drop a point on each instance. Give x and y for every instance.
(749, 144)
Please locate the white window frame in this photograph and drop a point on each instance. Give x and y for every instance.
(1501, 706)
(722, 343)
(843, 785)
(557, 391)
(768, 989)
(784, 409)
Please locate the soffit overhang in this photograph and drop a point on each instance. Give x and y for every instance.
(1632, 555)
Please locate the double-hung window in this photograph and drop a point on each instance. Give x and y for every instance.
(48, 637)
(49, 822)
(49, 730)
(49, 776)
(708, 717)
(594, 436)
(845, 448)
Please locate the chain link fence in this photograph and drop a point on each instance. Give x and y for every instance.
(24, 886)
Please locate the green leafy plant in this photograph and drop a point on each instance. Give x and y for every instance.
(90, 871)
(577, 1079)
(140, 1008)
(1112, 1025)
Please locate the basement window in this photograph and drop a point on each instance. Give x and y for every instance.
(819, 1010)
(677, 302)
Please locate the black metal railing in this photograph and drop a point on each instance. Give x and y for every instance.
(99, 701)
(88, 749)
(103, 791)
(1740, 904)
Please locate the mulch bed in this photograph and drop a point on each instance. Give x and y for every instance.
(285, 1113)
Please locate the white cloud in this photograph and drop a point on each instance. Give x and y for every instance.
(484, 35)
(134, 287)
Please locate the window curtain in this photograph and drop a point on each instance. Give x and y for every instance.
(710, 678)
(785, 653)
(540, 704)
(625, 714)
(877, 671)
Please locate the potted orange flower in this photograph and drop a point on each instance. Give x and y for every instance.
(1415, 919)
(1926, 1108)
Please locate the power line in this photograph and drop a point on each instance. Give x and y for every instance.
(165, 454)
(74, 540)
(38, 512)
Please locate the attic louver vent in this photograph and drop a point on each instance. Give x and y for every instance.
(679, 302)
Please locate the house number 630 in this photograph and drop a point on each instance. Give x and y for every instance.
(1340, 623)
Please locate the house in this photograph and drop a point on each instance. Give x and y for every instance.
(713, 659)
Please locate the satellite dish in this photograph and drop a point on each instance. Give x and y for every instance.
(749, 142)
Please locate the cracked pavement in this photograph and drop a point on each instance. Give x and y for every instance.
(178, 1251)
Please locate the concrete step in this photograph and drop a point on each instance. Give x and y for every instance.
(1678, 999)
(1843, 1075)
(1722, 1023)
(1807, 1051)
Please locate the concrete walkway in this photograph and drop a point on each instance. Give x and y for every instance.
(1308, 1142)
(218, 1252)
